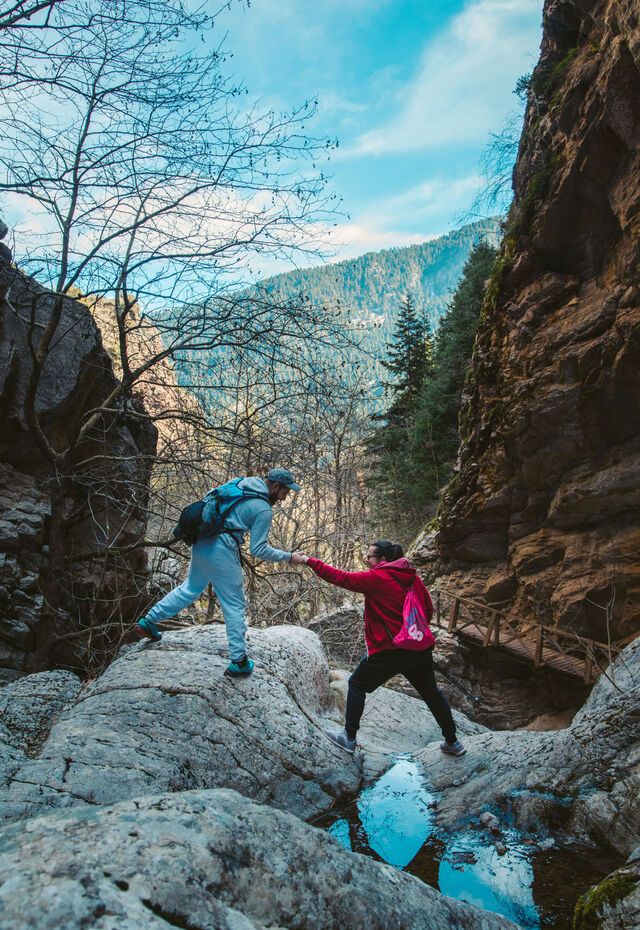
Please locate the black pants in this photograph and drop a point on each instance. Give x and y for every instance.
(417, 668)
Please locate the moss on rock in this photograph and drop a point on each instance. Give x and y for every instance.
(588, 912)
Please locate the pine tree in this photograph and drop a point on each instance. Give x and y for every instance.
(406, 361)
(409, 357)
(435, 438)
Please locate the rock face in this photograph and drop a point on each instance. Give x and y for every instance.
(23, 524)
(544, 513)
(341, 632)
(164, 717)
(76, 377)
(29, 707)
(584, 780)
(203, 860)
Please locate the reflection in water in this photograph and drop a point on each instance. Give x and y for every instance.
(393, 821)
(502, 884)
(395, 813)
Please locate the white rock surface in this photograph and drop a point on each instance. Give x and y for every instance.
(163, 717)
(206, 860)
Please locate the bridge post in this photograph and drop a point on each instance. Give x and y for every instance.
(537, 659)
(453, 617)
(588, 661)
(493, 619)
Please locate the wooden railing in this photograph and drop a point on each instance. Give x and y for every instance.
(533, 642)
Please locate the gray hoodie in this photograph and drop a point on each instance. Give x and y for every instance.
(254, 515)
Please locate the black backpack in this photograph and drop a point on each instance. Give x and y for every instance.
(206, 518)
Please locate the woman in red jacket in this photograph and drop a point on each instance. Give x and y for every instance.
(385, 585)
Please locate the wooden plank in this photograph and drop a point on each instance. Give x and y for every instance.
(537, 652)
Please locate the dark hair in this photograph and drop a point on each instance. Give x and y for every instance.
(387, 550)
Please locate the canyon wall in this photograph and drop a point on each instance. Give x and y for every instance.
(543, 514)
(70, 613)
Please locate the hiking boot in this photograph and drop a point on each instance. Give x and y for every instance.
(148, 629)
(242, 668)
(453, 749)
(342, 740)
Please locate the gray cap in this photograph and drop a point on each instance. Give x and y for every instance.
(283, 476)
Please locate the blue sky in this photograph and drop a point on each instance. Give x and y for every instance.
(412, 89)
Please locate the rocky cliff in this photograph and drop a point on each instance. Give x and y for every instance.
(544, 512)
(65, 612)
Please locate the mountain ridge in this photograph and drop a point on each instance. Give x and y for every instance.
(377, 280)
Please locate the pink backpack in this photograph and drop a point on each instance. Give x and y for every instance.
(415, 633)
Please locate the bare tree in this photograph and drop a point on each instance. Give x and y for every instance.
(154, 186)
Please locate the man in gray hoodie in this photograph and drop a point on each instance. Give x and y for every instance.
(216, 561)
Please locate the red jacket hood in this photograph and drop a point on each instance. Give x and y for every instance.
(401, 571)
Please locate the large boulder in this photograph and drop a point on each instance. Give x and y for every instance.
(204, 860)
(30, 706)
(584, 779)
(28, 710)
(163, 717)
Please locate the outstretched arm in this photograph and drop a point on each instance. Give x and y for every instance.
(352, 581)
(260, 547)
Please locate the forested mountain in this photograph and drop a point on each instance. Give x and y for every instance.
(372, 286)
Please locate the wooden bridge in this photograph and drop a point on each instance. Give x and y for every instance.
(535, 643)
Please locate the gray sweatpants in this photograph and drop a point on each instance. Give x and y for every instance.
(212, 561)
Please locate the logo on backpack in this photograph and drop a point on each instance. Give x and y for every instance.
(206, 518)
(416, 632)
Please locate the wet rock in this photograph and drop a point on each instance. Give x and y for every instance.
(489, 821)
(205, 859)
(163, 717)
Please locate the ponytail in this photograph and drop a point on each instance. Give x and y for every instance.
(387, 550)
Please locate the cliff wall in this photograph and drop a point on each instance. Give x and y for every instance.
(71, 613)
(544, 513)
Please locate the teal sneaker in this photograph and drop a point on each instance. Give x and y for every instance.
(240, 669)
(148, 629)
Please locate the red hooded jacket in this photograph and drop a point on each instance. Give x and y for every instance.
(384, 588)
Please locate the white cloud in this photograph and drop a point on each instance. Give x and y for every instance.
(428, 199)
(353, 239)
(464, 82)
(431, 204)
